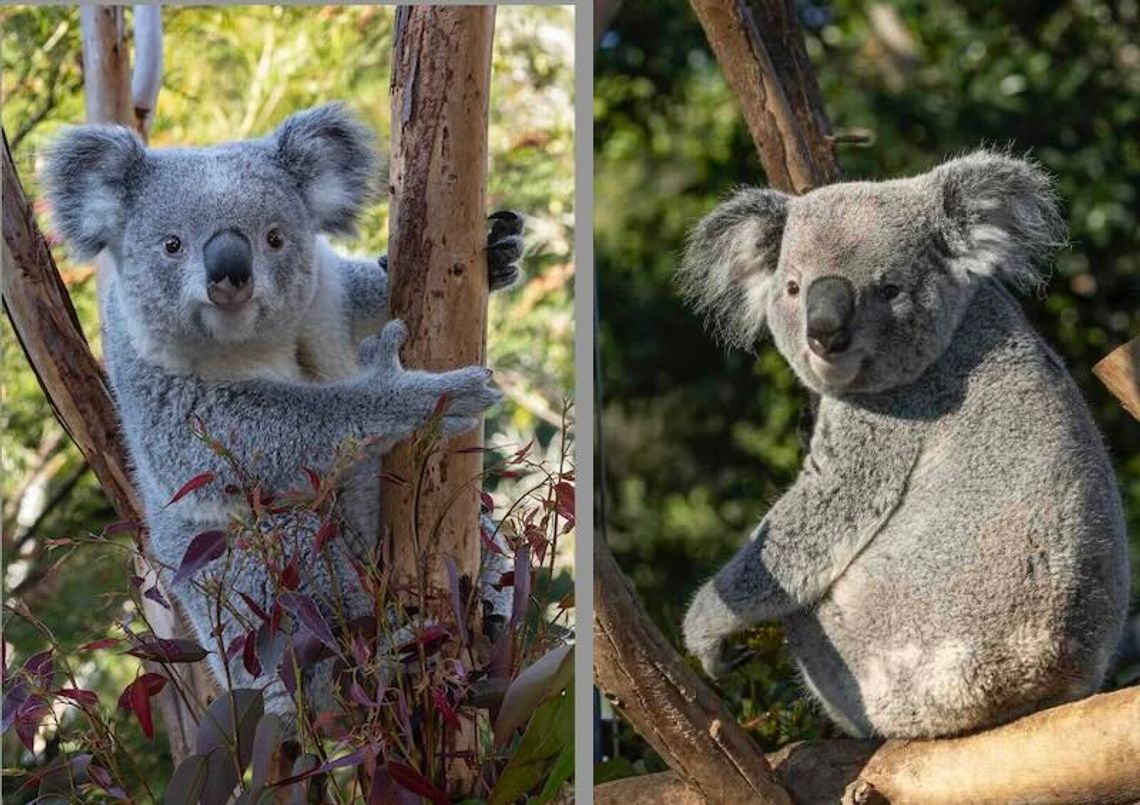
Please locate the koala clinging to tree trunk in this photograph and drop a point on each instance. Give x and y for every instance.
(952, 554)
(227, 307)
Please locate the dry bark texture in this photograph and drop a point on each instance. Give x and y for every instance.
(106, 65)
(682, 718)
(1085, 752)
(38, 305)
(441, 75)
(761, 52)
(1120, 372)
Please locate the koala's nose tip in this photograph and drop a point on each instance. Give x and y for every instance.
(830, 309)
(228, 258)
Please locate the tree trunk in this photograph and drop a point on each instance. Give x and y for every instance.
(645, 678)
(441, 72)
(106, 65)
(1120, 372)
(38, 305)
(759, 48)
(1085, 752)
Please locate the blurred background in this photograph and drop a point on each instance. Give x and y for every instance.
(233, 73)
(699, 441)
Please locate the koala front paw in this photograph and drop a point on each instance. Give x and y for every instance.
(703, 639)
(504, 249)
(469, 393)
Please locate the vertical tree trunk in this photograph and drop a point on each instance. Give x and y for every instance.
(106, 65)
(761, 52)
(441, 72)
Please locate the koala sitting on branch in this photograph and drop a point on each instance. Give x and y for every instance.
(952, 554)
(227, 306)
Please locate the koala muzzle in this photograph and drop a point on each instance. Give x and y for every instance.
(229, 268)
(830, 309)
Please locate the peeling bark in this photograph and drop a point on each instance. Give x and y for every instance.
(1120, 372)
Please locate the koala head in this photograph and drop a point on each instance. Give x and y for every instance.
(862, 284)
(212, 244)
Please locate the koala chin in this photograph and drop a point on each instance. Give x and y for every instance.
(952, 554)
(226, 305)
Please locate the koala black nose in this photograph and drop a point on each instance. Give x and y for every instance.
(830, 308)
(229, 267)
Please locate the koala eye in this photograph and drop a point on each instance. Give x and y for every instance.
(274, 238)
(793, 288)
(889, 291)
(172, 245)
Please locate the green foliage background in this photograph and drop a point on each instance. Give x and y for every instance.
(699, 442)
(237, 72)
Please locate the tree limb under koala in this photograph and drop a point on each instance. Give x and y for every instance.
(1084, 752)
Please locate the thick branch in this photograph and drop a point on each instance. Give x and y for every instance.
(45, 322)
(1083, 752)
(48, 329)
(762, 54)
(683, 719)
(1120, 372)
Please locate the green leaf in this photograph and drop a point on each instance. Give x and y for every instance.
(539, 756)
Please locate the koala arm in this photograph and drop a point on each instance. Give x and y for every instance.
(847, 490)
(278, 426)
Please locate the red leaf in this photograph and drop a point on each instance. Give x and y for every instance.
(235, 647)
(102, 778)
(518, 457)
(203, 549)
(41, 668)
(154, 595)
(444, 707)
(291, 575)
(84, 698)
(314, 479)
(120, 527)
(160, 649)
(326, 532)
(441, 406)
(307, 614)
(456, 603)
(249, 654)
(433, 634)
(106, 642)
(136, 697)
(197, 482)
(564, 500)
(486, 502)
(408, 778)
(489, 541)
(253, 607)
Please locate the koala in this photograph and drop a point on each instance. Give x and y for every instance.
(952, 554)
(227, 307)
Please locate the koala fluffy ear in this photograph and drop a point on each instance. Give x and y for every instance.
(88, 172)
(999, 216)
(333, 158)
(730, 261)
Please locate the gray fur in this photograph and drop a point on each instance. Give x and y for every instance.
(173, 357)
(952, 554)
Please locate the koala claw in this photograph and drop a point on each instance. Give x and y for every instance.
(504, 248)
